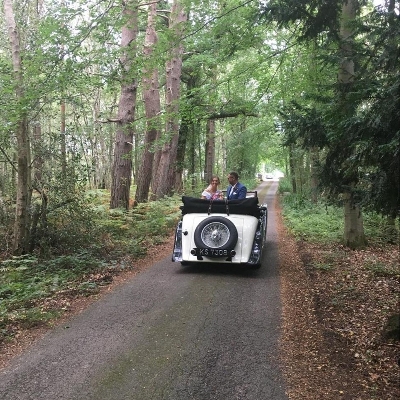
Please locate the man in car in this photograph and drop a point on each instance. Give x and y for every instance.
(235, 189)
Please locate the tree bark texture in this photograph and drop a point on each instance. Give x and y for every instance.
(354, 236)
(314, 160)
(210, 150)
(152, 105)
(122, 164)
(22, 220)
(63, 144)
(346, 71)
(353, 223)
(181, 156)
(292, 169)
(166, 168)
(189, 133)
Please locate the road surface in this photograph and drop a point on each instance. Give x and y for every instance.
(201, 332)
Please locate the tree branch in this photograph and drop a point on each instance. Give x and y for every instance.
(227, 114)
(8, 159)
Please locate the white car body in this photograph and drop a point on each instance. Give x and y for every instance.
(221, 232)
(246, 225)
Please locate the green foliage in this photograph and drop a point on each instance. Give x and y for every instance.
(356, 128)
(285, 185)
(194, 186)
(379, 228)
(381, 269)
(250, 183)
(26, 280)
(235, 69)
(312, 17)
(104, 242)
(66, 220)
(317, 222)
(323, 222)
(132, 232)
(303, 125)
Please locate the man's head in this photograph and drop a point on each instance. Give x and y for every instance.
(233, 177)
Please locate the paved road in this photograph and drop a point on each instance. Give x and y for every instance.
(201, 332)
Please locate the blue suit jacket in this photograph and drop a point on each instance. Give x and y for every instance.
(239, 192)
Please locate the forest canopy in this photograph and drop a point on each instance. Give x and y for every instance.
(148, 99)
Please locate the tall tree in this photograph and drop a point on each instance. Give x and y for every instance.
(122, 165)
(353, 222)
(340, 174)
(21, 225)
(210, 150)
(152, 104)
(190, 127)
(167, 167)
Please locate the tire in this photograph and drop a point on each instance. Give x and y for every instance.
(216, 233)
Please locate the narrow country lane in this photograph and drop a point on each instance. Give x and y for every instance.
(171, 332)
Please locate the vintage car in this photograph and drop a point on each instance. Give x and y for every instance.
(221, 231)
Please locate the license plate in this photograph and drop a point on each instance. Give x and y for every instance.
(199, 252)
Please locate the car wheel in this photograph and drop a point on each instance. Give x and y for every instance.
(216, 233)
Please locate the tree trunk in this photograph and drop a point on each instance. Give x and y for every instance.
(167, 166)
(210, 150)
(122, 164)
(151, 95)
(314, 158)
(292, 169)
(346, 71)
(38, 211)
(156, 163)
(180, 156)
(189, 133)
(21, 224)
(63, 146)
(353, 222)
(38, 156)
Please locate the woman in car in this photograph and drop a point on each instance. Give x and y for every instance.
(211, 192)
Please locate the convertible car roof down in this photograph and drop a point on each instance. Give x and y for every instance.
(248, 206)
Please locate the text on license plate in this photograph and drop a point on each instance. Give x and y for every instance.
(212, 252)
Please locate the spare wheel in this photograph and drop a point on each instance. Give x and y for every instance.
(216, 233)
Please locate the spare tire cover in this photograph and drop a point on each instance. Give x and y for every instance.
(216, 233)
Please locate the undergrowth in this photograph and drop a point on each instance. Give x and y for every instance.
(82, 254)
(317, 222)
(320, 222)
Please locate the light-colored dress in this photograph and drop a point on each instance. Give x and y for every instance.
(212, 196)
